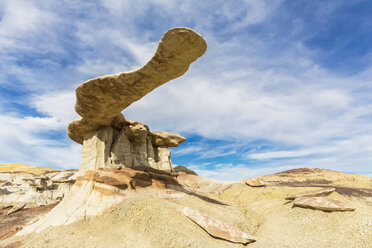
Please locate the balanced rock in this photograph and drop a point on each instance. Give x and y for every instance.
(121, 155)
(218, 228)
(111, 141)
(255, 182)
(313, 193)
(100, 101)
(323, 203)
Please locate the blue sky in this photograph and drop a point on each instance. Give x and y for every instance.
(282, 85)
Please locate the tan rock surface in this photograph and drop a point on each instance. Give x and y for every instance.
(100, 101)
(24, 168)
(98, 190)
(313, 193)
(218, 228)
(130, 147)
(323, 203)
(255, 182)
(167, 139)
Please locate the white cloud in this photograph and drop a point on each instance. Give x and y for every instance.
(245, 88)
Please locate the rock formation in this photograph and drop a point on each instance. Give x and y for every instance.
(111, 141)
(34, 190)
(218, 228)
(323, 203)
(116, 151)
(318, 192)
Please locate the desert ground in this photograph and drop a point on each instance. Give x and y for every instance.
(153, 217)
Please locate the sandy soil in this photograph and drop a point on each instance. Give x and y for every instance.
(156, 220)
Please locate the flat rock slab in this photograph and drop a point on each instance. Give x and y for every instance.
(217, 228)
(313, 193)
(255, 182)
(323, 203)
(15, 209)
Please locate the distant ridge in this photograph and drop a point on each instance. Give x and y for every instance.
(5, 167)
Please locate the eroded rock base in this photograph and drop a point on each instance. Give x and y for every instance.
(129, 144)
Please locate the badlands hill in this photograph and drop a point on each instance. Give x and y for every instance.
(153, 215)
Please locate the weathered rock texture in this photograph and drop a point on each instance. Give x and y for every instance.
(323, 203)
(96, 190)
(313, 193)
(120, 155)
(255, 182)
(218, 228)
(34, 190)
(100, 101)
(133, 145)
(111, 141)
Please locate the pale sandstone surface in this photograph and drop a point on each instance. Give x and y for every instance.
(218, 228)
(152, 217)
(312, 193)
(130, 147)
(17, 188)
(323, 203)
(100, 101)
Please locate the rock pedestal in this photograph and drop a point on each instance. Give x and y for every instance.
(112, 144)
(129, 145)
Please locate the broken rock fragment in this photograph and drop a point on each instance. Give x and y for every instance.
(323, 203)
(313, 193)
(217, 228)
(255, 182)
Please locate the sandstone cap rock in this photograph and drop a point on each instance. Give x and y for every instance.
(100, 101)
(323, 203)
(167, 139)
(318, 192)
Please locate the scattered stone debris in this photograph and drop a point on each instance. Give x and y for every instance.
(323, 203)
(255, 182)
(217, 228)
(313, 193)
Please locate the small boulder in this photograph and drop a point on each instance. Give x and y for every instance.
(313, 193)
(255, 182)
(217, 228)
(323, 203)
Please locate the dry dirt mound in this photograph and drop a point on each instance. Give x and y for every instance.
(154, 218)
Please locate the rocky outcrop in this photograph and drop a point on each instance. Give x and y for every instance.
(111, 141)
(96, 190)
(121, 155)
(313, 193)
(218, 228)
(323, 203)
(35, 190)
(131, 146)
(100, 101)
